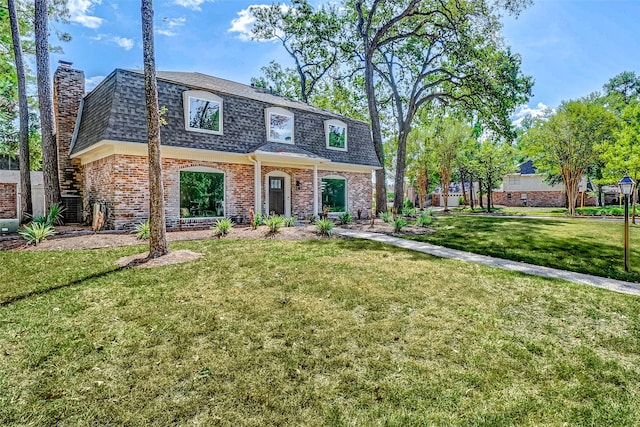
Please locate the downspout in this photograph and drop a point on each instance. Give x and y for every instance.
(257, 178)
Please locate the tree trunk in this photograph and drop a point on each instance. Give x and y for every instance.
(480, 188)
(464, 192)
(45, 99)
(26, 204)
(157, 225)
(471, 191)
(445, 179)
(401, 162)
(376, 132)
(489, 195)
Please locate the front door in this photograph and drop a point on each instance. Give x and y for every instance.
(276, 195)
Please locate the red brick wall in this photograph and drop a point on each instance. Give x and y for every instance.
(121, 184)
(8, 200)
(537, 199)
(68, 90)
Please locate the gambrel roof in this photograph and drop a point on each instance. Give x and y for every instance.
(115, 111)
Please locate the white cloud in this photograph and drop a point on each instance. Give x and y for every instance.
(524, 111)
(78, 12)
(244, 22)
(167, 26)
(191, 4)
(92, 82)
(123, 42)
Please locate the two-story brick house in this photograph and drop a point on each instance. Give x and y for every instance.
(226, 148)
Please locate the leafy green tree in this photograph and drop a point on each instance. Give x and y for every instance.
(310, 37)
(426, 53)
(564, 143)
(493, 159)
(622, 154)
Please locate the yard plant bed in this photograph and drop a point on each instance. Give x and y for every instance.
(586, 246)
(314, 332)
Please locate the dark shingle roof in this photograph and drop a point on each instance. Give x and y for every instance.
(115, 110)
(527, 168)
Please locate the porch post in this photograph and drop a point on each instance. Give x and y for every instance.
(315, 190)
(257, 185)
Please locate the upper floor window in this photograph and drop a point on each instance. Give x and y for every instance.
(514, 180)
(202, 112)
(335, 134)
(279, 125)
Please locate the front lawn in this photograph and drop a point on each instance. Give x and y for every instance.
(333, 332)
(587, 246)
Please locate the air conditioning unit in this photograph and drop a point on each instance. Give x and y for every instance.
(9, 226)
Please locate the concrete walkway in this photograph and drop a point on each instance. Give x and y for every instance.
(535, 270)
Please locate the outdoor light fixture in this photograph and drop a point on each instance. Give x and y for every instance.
(298, 185)
(626, 185)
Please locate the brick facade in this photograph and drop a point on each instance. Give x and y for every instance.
(68, 90)
(537, 199)
(120, 184)
(8, 200)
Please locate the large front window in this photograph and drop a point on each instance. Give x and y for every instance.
(201, 194)
(334, 194)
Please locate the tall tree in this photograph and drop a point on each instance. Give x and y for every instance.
(157, 222)
(26, 203)
(450, 137)
(310, 37)
(493, 159)
(45, 100)
(565, 142)
(622, 154)
(426, 52)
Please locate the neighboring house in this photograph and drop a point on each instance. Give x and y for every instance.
(226, 148)
(526, 187)
(10, 190)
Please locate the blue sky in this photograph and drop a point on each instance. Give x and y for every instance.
(570, 47)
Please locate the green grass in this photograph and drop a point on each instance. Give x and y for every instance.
(586, 246)
(333, 332)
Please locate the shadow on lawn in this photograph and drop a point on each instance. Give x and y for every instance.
(44, 291)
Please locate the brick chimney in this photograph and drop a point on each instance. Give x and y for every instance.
(68, 90)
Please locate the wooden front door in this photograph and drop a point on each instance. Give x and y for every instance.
(276, 195)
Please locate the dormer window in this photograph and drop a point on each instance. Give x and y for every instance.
(202, 112)
(279, 125)
(336, 135)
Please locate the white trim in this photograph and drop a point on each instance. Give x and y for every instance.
(205, 169)
(335, 123)
(315, 190)
(106, 148)
(347, 167)
(281, 112)
(287, 191)
(205, 96)
(289, 159)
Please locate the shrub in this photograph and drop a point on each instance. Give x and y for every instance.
(223, 226)
(408, 211)
(53, 217)
(274, 223)
(424, 219)
(290, 222)
(399, 224)
(324, 227)
(36, 232)
(142, 230)
(408, 203)
(345, 218)
(257, 220)
(386, 217)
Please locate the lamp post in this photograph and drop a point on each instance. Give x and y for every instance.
(626, 184)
